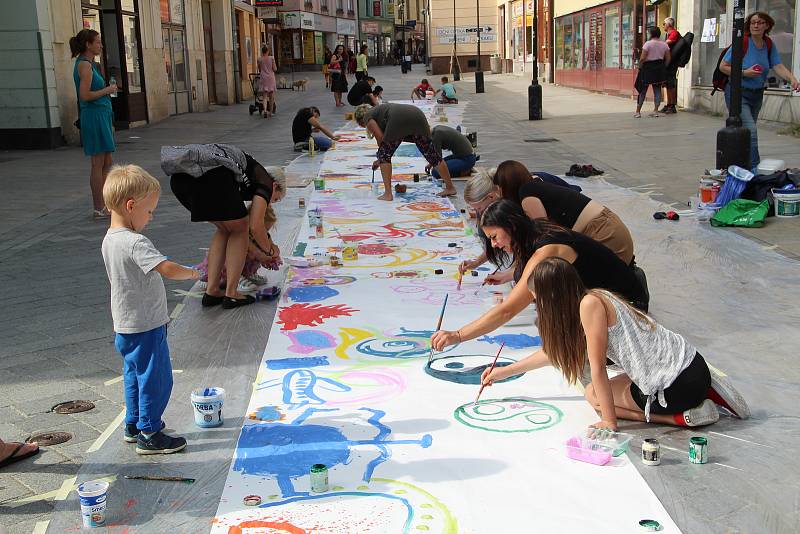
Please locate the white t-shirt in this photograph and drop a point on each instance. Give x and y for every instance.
(138, 297)
(655, 50)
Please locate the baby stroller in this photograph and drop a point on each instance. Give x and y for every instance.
(258, 103)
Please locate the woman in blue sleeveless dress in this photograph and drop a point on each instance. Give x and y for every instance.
(96, 116)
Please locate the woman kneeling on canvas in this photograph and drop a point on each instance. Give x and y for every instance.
(509, 232)
(664, 380)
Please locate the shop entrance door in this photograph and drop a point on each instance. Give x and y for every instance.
(594, 47)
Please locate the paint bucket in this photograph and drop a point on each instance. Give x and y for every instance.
(207, 404)
(350, 251)
(787, 202)
(319, 183)
(92, 495)
(707, 192)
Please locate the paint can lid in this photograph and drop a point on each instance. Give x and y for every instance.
(439, 271)
(650, 525)
(318, 468)
(452, 245)
(698, 440)
(252, 500)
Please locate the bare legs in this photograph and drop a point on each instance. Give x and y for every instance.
(386, 174)
(444, 172)
(338, 97)
(228, 247)
(269, 107)
(101, 164)
(624, 405)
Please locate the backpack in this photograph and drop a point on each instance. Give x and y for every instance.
(719, 80)
(682, 51)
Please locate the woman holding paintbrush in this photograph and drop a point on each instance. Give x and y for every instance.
(508, 231)
(664, 380)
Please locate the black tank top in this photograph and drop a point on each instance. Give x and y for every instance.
(563, 205)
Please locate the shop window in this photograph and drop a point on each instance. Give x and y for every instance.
(587, 48)
(569, 47)
(629, 27)
(131, 47)
(559, 43)
(323, 5)
(613, 38)
(782, 34)
(707, 54)
(577, 25)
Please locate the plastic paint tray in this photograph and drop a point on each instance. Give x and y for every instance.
(583, 450)
(617, 442)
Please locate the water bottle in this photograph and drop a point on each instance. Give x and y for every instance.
(112, 81)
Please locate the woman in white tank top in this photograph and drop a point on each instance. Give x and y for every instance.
(664, 379)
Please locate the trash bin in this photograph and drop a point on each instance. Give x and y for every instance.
(496, 64)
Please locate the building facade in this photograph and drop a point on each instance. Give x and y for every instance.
(376, 30)
(309, 27)
(453, 35)
(515, 21)
(410, 29)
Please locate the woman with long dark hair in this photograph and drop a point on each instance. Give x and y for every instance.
(652, 71)
(96, 116)
(337, 69)
(664, 380)
(509, 233)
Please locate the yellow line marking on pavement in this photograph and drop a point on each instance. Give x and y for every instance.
(107, 432)
(183, 293)
(715, 369)
(61, 493)
(770, 247)
(40, 527)
(176, 311)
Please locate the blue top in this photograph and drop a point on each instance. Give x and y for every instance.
(97, 83)
(756, 56)
(448, 90)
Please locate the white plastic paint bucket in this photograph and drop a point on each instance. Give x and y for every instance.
(93, 495)
(787, 202)
(207, 403)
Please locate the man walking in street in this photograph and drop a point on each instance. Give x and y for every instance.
(672, 36)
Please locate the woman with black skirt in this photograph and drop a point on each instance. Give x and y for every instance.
(652, 70)
(337, 68)
(217, 194)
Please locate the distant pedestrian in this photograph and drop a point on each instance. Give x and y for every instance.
(760, 55)
(139, 306)
(351, 62)
(361, 63)
(337, 68)
(325, 62)
(462, 158)
(266, 83)
(671, 84)
(391, 125)
(652, 71)
(305, 125)
(96, 116)
(448, 91)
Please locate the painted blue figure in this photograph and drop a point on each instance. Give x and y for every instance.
(287, 451)
(311, 293)
(405, 344)
(513, 341)
(297, 363)
(300, 387)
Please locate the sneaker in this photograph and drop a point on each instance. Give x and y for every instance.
(637, 115)
(724, 394)
(131, 432)
(159, 443)
(654, 114)
(664, 109)
(669, 110)
(704, 414)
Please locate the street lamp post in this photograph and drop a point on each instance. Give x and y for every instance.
(733, 141)
(456, 69)
(534, 89)
(479, 88)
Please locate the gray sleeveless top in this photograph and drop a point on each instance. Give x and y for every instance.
(652, 358)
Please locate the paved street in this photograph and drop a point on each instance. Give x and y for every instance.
(710, 284)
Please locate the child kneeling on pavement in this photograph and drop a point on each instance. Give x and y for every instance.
(139, 306)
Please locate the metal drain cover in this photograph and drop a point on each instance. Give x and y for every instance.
(50, 438)
(76, 406)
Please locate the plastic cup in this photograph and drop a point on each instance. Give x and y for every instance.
(93, 494)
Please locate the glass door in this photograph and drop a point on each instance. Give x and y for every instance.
(594, 45)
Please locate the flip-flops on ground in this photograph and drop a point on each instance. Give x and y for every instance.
(14, 457)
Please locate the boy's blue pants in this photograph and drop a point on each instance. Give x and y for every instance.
(147, 374)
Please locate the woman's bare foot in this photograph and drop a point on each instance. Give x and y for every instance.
(448, 192)
(386, 196)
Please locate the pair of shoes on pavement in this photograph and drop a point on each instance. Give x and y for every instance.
(668, 109)
(228, 303)
(583, 171)
(721, 393)
(248, 284)
(157, 443)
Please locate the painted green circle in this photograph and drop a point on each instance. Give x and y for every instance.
(508, 415)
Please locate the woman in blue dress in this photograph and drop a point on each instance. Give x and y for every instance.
(96, 116)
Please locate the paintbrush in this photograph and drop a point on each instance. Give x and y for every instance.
(439, 324)
(494, 273)
(160, 478)
(460, 278)
(490, 370)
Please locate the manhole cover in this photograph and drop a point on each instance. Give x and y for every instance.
(50, 438)
(541, 140)
(76, 406)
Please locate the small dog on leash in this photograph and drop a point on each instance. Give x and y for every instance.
(300, 85)
(282, 82)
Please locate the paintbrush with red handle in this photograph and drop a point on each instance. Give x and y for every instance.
(485, 279)
(490, 370)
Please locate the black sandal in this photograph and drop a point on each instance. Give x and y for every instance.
(228, 303)
(211, 300)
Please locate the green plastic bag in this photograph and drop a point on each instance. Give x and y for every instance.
(741, 212)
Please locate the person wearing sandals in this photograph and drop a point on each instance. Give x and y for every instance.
(12, 452)
(337, 69)
(390, 125)
(665, 380)
(652, 71)
(266, 80)
(96, 116)
(213, 182)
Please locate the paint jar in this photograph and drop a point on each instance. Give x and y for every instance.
(319, 232)
(350, 251)
(334, 261)
(319, 183)
(375, 188)
(497, 297)
(207, 403)
(301, 203)
(319, 478)
(651, 452)
(698, 450)
(707, 195)
(93, 495)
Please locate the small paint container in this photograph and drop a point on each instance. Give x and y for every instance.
(438, 271)
(93, 496)
(452, 245)
(251, 500)
(650, 525)
(474, 273)
(301, 203)
(319, 183)
(651, 452)
(350, 252)
(698, 450)
(497, 297)
(335, 261)
(416, 177)
(319, 478)
(400, 188)
(319, 232)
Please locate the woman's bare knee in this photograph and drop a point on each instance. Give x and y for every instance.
(237, 226)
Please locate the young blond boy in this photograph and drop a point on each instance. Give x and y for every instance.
(139, 306)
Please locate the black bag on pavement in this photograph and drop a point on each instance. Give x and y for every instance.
(760, 187)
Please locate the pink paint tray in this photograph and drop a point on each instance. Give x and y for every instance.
(587, 450)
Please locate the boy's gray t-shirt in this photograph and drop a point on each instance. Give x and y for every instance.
(138, 297)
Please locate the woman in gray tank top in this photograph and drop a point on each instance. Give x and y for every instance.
(664, 379)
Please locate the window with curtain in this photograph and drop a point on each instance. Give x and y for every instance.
(613, 37)
(629, 28)
(577, 29)
(707, 54)
(569, 45)
(783, 33)
(559, 43)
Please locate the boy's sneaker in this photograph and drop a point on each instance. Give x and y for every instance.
(723, 393)
(704, 414)
(160, 443)
(131, 432)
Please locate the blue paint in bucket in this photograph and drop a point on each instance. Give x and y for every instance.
(207, 404)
